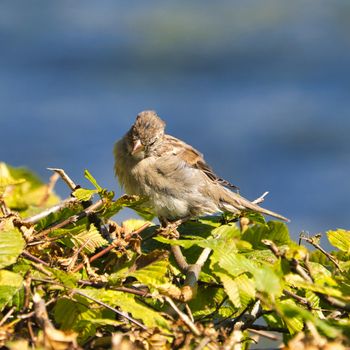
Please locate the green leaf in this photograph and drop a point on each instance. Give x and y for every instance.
(127, 201)
(90, 240)
(268, 281)
(77, 315)
(232, 262)
(92, 180)
(340, 239)
(274, 230)
(84, 194)
(128, 303)
(153, 275)
(207, 300)
(6, 179)
(11, 244)
(231, 288)
(184, 243)
(292, 315)
(68, 279)
(10, 284)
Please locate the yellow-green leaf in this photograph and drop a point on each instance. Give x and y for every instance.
(340, 239)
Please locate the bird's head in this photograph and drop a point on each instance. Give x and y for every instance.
(146, 133)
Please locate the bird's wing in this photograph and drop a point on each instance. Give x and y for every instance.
(192, 157)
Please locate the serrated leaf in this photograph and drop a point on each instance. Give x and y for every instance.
(267, 281)
(235, 264)
(184, 243)
(84, 194)
(10, 284)
(77, 315)
(68, 279)
(230, 287)
(290, 313)
(128, 303)
(11, 244)
(213, 297)
(92, 180)
(273, 230)
(153, 275)
(246, 287)
(127, 201)
(226, 232)
(132, 225)
(340, 239)
(90, 240)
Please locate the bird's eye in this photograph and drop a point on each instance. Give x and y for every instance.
(152, 141)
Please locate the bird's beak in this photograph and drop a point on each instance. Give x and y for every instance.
(137, 147)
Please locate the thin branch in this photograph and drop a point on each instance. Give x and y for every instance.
(183, 317)
(203, 257)
(34, 258)
(4, 208)
(298, 298)
(294, 263)
(203, 343)
(36, 218)
(264, 334)
(313, 242)
(41, 312)
(7, 316)
(126, 316)
(72, 219)
(179, 258)
(49, 188)
(71, 184)
(268, 328)
(261, 198)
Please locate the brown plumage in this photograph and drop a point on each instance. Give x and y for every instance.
(174, 176)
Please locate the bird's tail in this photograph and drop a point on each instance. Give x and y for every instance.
(237, 202)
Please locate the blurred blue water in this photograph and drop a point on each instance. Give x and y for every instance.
(261, 88)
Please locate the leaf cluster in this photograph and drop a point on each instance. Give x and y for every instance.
(72, 277)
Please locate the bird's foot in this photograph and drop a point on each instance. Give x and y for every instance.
(170, 230)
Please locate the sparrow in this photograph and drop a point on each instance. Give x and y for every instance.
(173, 176)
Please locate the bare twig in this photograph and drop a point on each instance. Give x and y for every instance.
(294, 263)
(179, 258)
(126, 316)
(3, 207)
(203, 257)
(34, 258)
(313, 242)
(183, 317)
(264, 334)
(268, 328)
(49, 188)
(298, 298)
(35, 218)
(71, 184)
(7, 315)
(203, 343)
(261, 198)
(72, 219)
(41, 312)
